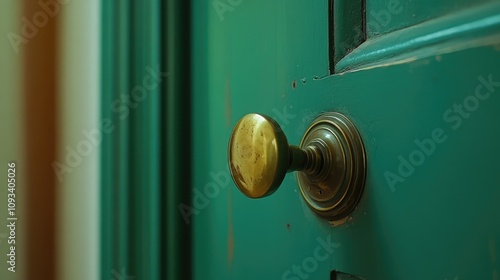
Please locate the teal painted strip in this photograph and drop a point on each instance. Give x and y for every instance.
(385, 16)
(107, 158)
(145, 140)
(155, 141)
(199, 130)
(467, 25)
(122, 158)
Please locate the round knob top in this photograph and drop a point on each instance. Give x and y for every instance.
(258, 155)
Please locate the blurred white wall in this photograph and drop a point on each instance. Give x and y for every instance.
(78, 215)
(79, 110)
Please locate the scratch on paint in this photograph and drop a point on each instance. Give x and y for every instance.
(228, 102)
(421, 62)
(492, 251)
(494, 274)
(230, 234)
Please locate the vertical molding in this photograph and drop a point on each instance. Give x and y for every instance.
(115, 157)
(40, 93)
(121, 153)
(108, 199)
(146, 171)
(145, 139)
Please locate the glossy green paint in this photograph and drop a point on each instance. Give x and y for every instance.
(247, 71)
(439, 221)
(385, 16)
(461, 30)
(121, 145)
(107, 179)
(114, 155)
(145, 140)
(131, 152)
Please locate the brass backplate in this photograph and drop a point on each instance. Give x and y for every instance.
(334, 191)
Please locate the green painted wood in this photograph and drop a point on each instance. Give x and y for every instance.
(145, 141)
(122, 142)
(200, 164)
(459, 30)
(443, 214)
(115, 152)
(385, 16)
(108, 201)
(437, 219)
(251, 66)
(133, 80)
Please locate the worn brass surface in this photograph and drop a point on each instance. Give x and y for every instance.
(331, 159)
(335, 189)
(258, 155)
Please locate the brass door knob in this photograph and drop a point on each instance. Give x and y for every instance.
(331, 160)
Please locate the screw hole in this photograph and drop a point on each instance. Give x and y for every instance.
(320, 191)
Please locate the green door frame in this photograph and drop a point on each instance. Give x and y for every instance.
(145, 158)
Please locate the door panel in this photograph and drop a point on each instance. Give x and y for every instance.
(429, 210)
(249, 68)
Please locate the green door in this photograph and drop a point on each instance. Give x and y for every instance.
(421, 82)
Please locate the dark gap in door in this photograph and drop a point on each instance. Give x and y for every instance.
(346, 28)
(337, 275)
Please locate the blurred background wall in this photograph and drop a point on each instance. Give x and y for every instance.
(11, 124)
(78, 204)
(57, 234)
